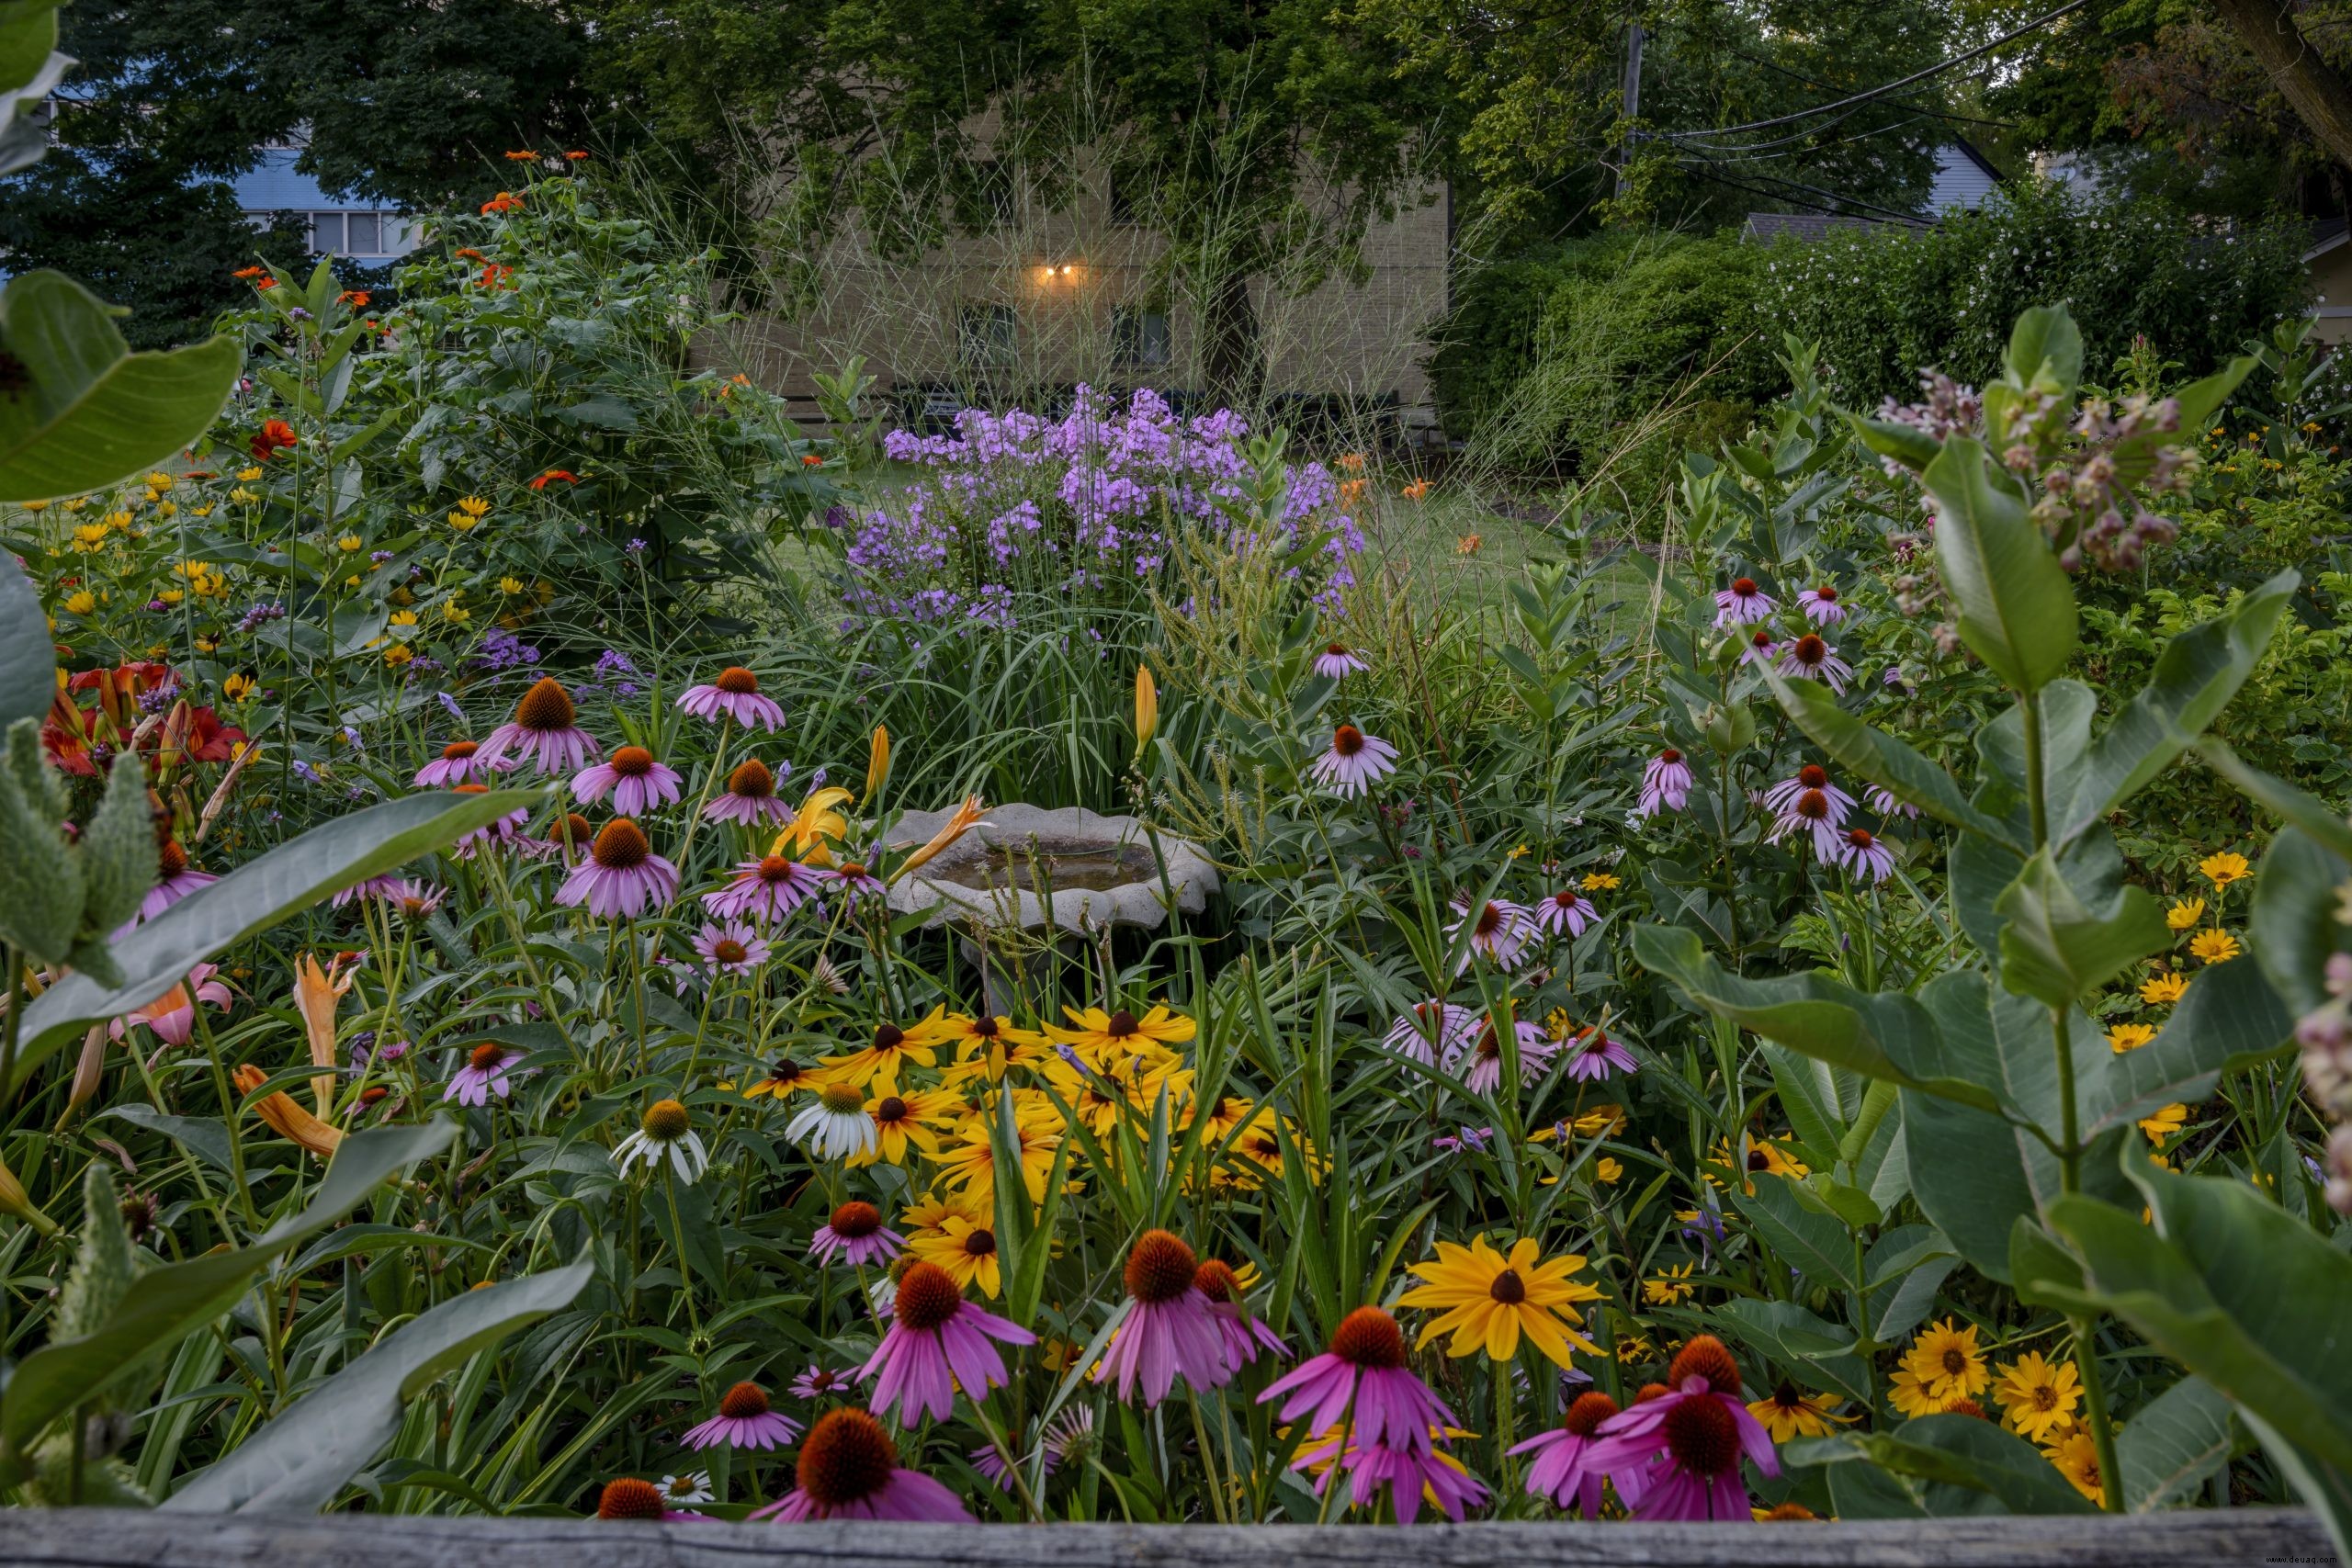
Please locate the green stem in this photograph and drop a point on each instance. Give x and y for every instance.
(2111, 1470)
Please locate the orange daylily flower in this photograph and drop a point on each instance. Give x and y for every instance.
(289, 1120)
(967, 817)
(316, 992)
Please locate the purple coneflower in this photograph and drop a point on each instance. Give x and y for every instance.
(1246, 1336)
(1821, 605)
(1408, 1476)
(629, 1497)
(1363, 1380)
(731, 949)
(1864, 854)
(1430, 1029)
(820, 1382)
(636, 782)
(1355, 761)
(1485, 1055)
(621, 874)
(1336, 661)
(1498, 928)
(545, 727)
(1808, 803)
(458, 763)
(1810, 658)
(1885, 802)
(1566, 910)
(175, 879)
(1742, 604)
(855, 879)
(733, 692)
(568, 836)
(849, 1470)
(1564, 1473)
(750, 798)
(1676, 1456)
(383, 886)
(937, 1341)
(856, 1235)
(489, 835)
(487, 1072)
(1761, 648)
(1593, 1055)
(413, 900)
(766, 889)
(744, 1421)
(1666, 783)
(1168, 1330)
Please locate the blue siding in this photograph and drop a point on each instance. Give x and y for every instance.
(275, 186)
(1961, 181)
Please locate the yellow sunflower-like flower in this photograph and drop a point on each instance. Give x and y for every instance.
(2185, 914)
(968, 1164)
(906, 1121)
(1791, 1412)
(1490, 1299)
(2224, 868)
(2163, 990)
(2214, 947)
(1598, 881)
(1101, 1036)
(2163, 1121)
(1945, 1360)
(988, 1046)
(894, 1046)
(2038, 1395)
(965, 1247)
(2130, 1036)
(1668, 1286)
(2077, 1457)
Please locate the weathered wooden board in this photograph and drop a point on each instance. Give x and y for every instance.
(109, 1538)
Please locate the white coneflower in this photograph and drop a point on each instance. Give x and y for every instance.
(835, 1123)
(694, 1486)
(666, 1133)
(828, 973)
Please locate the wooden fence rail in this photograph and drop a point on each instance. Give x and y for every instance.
(96, 1538)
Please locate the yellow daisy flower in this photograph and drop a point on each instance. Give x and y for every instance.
(2130, 1036)
(1668, 1286)
(1945, 1360)
(2224, 868)
(905, 1120)
(2185, 914)
(989, 1046)
(894, 1046)
(2214, 947)
(1792, 1412)
(2163, 990)
(2164, 1122)
(966, 1248)
(1098, 1035)
(1598, 881)
(1490, 1299)
(2037, 1395)
(2077, 1457)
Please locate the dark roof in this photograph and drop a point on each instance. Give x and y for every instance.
(1811, 228)
(2326, 233)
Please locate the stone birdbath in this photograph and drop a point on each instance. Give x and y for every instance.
(1059, 877)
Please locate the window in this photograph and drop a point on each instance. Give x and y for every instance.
(1139, 336)
(326, 233)
(366, 238)
(985, 335)
(1125, 206)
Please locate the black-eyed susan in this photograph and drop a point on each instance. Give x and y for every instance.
(1668, 1286)
(968, 1162)
(2038, 1395)
(784, 1078)
(1488, 1299)
(988, 1046)
(1946, 1361)
(1791, 1412)
(895, 1045)
(1102, 1037)
(2163, 1121)
(964, 1244)
(907, 1121)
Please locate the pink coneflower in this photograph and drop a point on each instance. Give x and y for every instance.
(621, 875)
(1666, 783)
(822, 1382)
(172, 1016)
(1565, 1472)
(1484, 1056)
(732, 949)
(849, 1470)
(1430, 1029)
(503, 831)
(1407, 1475)
(413, 900)
(1809, 803)
(383, 886)
(569, 835)
(1246, 1338)
(636, 782)
(1810, 658)
(744, 1421)
(1676, 1456)
(1363, 1379)
(855, 879)
(1821, 605)
(1065, 1435)
(765, 889)
(1354, 764)
(486, 1072)
(1864, 854)
(629, 1497)
(733, 692)
(1742, 604)
(458, 763)
(1566, 910)
(1884, 802)
(1761, 648)
(1168, 1330)
(1593, 1056)
(175, 879)
(1336, 661)
(750, 798)
(545, 727)
(856, 1235)
(937, 1341)
(1498, 928)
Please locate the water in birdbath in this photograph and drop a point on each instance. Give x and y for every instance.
(1027, 867)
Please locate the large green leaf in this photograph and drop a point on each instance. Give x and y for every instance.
(2173, 1442)
(1878, 757)
(255, 895)
(2230, 1019)
(2325, 1489)
(1812, 1243)
(2291, 926)
(95, 412)
(1806, 1344)
(2045, 350)
(27, 658)
(2297, 807)
(1963, 1451)
(30, 68)
(300, 1461)
(2017, 609)
(173, 1301)
(2058, 948)
(2198, 673)
(1882, 1035)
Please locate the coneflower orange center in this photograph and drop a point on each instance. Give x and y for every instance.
(1161, 1268)
(621, 846)
(727, 950)
(1670, 755)
(1337, 649)
(1788, 1512)
(1813, 777)
(778, 868)
(1507, 1288)
(1861, 838)
(928, 1297)
(1761, 639)
(1490, 918)
(632, 761)
(666, 1121)
(1743, 586)
(485, 1057)
(629, 1498)
(1826, 593)
(751, 780)
(1701, 1436)
(546, 706)
(841, 1097)
(1369, 1338)
(855, 1219)
(570, 829)
(1567, 898)
(744, 1400)
(1650, 1391)
(1704, 1357)
(1589, 1412)
(736, 681)
(459, 751)
(174, 858)
(1215, 1279)
(1347, 740)
(1811, 650)
(847, 1458)
(1813, 805)
(853, 870)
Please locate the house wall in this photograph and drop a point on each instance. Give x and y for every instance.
(2331, 274)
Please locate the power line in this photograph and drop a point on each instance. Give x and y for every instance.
(1803, 80)
(1878, 92)
(1709, 169)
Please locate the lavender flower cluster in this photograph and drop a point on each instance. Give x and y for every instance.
(1018, 504)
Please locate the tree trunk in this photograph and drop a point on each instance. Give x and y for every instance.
(1230, 353)
(2318, 93)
